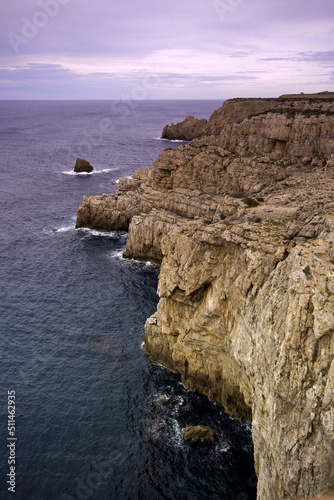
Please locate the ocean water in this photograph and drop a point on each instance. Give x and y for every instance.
(95, 419)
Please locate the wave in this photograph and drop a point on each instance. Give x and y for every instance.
(117, 254)
(176, 434)
(123, 177)
(170, 140)
(68, 225)
(103, 234)
(63, 229)
(94, 172)
(223, 446)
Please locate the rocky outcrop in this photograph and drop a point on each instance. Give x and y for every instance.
(234, 110)
(83, 166)
(198, 432)
(242, 224)
(190, 128)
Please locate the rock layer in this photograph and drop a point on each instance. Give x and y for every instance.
(242, 223)
(187, 130)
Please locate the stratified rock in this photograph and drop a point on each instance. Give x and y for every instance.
(83, 166)
(233, 110)
(197, 432)
(187, 130)
(242, 224)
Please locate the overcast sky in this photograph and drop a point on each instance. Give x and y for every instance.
(159, 49)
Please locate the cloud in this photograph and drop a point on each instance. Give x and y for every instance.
(105, 48)
(326, 57)
(321, 57)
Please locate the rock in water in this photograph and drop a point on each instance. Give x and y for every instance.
(82, 166)
(197, 432)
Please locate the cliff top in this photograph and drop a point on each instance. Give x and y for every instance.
(237, 109)
(319, 95)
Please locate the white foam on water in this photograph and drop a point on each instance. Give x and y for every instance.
(117, 254)
(94, 172)
(71, 172)
(169, 140)
(108, 234)
(63, 229)
(123, 177)
(224, 447)
(176, 434)
(179, 403)
(96, 233)
(69, 226)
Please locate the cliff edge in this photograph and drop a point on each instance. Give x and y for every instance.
(241, 221)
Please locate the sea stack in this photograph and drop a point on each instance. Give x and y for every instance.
(241, 221)
(82, 166)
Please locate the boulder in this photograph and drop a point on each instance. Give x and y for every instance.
(82, 166)
(197, 432)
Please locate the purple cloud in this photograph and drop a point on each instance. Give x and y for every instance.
(114, 46)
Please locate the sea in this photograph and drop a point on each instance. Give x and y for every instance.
(85, 414)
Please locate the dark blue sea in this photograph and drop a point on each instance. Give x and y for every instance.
(94, 418)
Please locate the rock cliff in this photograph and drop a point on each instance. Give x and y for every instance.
(242, 223)
(187, 130)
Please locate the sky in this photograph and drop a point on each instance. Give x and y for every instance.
(158, 49)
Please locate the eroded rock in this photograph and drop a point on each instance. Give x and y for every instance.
(190, 128)
(198, 432)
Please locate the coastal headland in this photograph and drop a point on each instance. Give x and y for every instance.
(241, 221)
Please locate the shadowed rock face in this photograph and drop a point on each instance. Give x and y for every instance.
(242, 223)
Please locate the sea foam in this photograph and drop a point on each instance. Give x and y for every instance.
(169, 140)
(84, 174)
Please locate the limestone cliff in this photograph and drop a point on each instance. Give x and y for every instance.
(242, 223)
(187, 130)
(232, 111)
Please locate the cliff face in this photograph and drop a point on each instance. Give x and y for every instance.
(242, 224)
(187, 130)
(232, 111)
